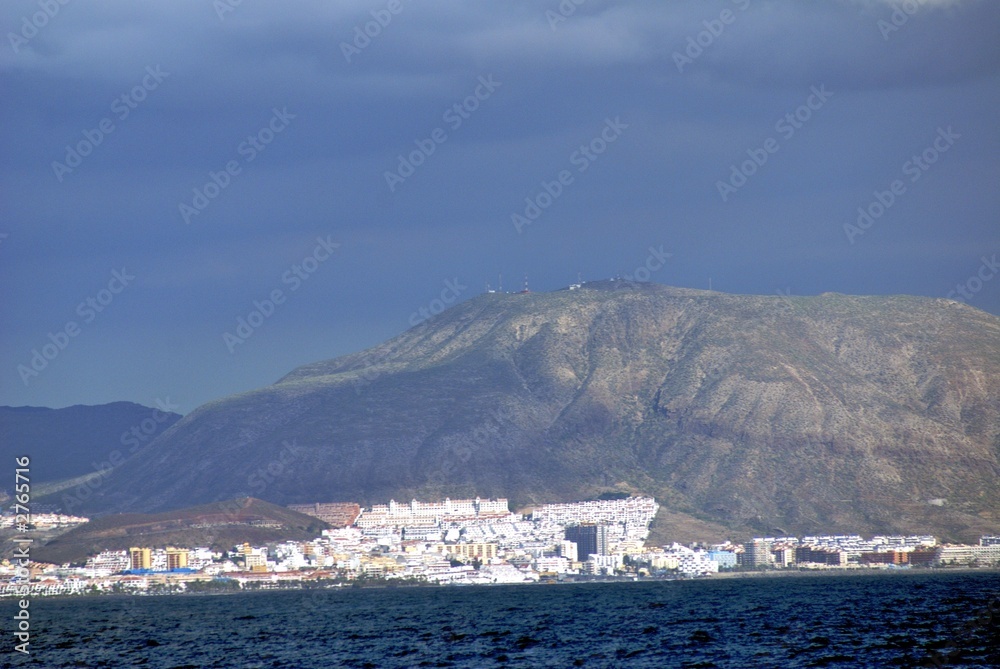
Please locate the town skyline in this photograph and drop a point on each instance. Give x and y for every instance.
(475, 541)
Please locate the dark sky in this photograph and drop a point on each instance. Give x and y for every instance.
(642, 109)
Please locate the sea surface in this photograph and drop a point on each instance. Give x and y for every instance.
(891, 620)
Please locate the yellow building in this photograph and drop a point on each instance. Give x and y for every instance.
(377, 565)
(255, 562)
(664, 562)
(140, 558)
(469, 551)
(177, 558)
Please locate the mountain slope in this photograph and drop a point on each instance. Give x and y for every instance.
(64, 443)
(761, 413)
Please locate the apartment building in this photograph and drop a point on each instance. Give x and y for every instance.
(418, 513)
(140, 558)
(483, 552)
(335, 514)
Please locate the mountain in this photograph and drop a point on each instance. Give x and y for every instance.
(66, 443)
(221, 526)
(769, 414)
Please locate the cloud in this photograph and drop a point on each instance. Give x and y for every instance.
(325, 173)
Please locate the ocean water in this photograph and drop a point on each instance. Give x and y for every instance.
(812, 621)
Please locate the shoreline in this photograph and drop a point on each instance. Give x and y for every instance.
(730, 575)
(780, 573)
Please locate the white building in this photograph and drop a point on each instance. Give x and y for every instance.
(556, 565)
(432, 514)
(505, 573)
(106, 563)
(626, 521)
(965, 555)
(568, 550)
(692, 562)
(604, 564)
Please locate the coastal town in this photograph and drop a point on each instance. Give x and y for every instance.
(468, 542)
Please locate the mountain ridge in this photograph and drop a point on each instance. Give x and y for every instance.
(822, 413)
(64, 443)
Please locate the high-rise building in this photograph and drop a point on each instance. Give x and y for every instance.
(140, 558)
(783, 555)
(177, 558)
(589, 539)
(757, 553)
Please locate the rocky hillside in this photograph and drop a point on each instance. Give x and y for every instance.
(759, 413)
